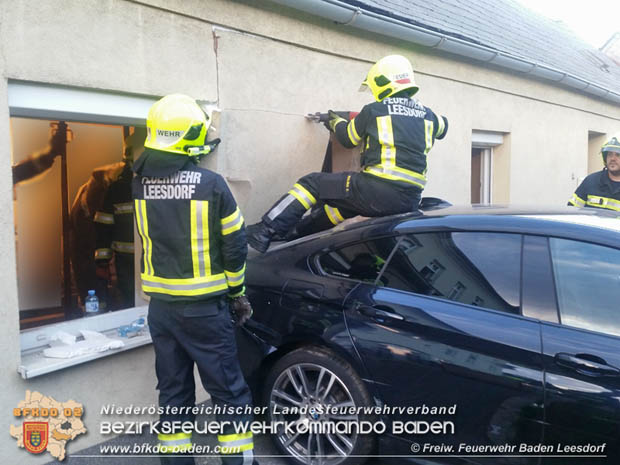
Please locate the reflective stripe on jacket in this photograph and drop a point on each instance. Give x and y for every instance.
(597, 191)
(397, 135)
(193, 235)
(114, 220)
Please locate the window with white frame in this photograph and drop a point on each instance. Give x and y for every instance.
(59, 197)
(483, 143)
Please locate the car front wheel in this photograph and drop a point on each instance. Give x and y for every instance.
(318, 395)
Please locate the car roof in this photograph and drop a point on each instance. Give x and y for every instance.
(594, 217)
(535, 219)
(583, 216)
(494, 209)
(589, 217)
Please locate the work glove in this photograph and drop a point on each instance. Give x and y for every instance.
(241, 310)
(333, 120)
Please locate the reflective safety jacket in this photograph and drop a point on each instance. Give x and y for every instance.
(89, 200)
(193, 235)
(114, 220)
(397, 134)
(597, 191)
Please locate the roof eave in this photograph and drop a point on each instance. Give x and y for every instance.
(352, 16)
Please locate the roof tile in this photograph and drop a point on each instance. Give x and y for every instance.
(506, 26)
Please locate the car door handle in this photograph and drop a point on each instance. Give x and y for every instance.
(377, 312)
(589, 365)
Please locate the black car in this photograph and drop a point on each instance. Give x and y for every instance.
(478, 336)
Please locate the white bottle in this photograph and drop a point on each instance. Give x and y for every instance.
(91, 304)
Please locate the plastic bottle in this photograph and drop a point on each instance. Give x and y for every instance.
(91, 304)
(134, 329)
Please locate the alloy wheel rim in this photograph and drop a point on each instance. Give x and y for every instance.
(320, 397)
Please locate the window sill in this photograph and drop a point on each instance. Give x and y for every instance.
(34, 341)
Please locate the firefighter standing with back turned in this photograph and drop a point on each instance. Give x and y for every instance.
(397, 133)
(602, 189)
(193, 264)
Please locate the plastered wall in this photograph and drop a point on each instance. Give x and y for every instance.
(265, 66)
(264, 99)
(595, 142)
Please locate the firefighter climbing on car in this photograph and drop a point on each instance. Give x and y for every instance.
(396, 133)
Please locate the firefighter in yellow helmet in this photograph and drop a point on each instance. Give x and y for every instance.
(193, 264)
(396, 133)
(602, 189)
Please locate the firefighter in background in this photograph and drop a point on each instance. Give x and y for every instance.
(602, 189)
(396, 133)
(114, 230)
(88, 200)
(193, 265)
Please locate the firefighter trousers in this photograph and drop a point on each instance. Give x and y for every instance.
(199, 333)
(124, 263)
(334, 197)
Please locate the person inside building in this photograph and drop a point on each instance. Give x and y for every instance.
(41, 161)
(114, 231)
(602, 189)
(396, 133)
(193, 264)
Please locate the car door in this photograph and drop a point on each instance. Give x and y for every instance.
(582, 353)
(441, 333)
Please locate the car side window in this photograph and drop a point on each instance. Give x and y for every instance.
(482, 269)
(587, 281)
(361, 261)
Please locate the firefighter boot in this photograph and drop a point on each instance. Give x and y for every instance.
(259, 236)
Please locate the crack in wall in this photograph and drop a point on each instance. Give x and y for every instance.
(217, 64)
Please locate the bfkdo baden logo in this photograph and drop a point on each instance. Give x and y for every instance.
(47, 425)
(35, 436)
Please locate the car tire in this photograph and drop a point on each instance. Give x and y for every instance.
(317, 378)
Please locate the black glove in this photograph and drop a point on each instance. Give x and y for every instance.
(241, 310)
(333, 120)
